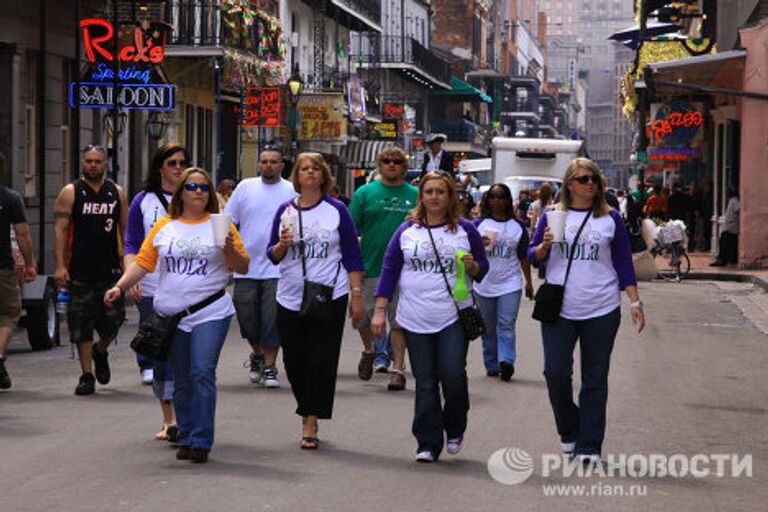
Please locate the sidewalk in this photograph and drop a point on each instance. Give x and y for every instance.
(700, 269)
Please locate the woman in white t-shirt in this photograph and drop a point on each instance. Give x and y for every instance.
(591, 310)
(499, 293)
(191, 269)
(420, 258)
(541, 204)
(314, 239)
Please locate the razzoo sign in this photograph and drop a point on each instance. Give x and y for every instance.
(140, 82)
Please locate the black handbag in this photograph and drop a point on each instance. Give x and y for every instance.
(548, 300)
(470, 317)
(155, 336)
(316, 298)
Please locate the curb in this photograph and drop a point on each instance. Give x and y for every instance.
(735, 277)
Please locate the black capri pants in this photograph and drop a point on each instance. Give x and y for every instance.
(311, 356)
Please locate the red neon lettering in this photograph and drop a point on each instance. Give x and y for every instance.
(94, 43)
(143, 49)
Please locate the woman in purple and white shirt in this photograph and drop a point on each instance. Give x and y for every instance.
(499, 294)
(591, 312)
(426, 311)
(149, 206)
(310, 347)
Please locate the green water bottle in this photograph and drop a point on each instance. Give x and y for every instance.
(460, 290)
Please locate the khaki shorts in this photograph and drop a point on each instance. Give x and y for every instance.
(10, 298)
(369, 303)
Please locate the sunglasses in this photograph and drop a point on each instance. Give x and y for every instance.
(273, 162)
(95, 147)
(193, 187)
(587, 178)
(497, 196)
(176, 163)
(395, 161)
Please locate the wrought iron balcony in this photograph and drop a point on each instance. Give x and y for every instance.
(195, 23)
(376, 50)
(461, 130)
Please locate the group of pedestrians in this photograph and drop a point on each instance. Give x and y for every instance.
(303, 262)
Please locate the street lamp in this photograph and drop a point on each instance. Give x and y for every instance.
(156, 125)
(295, 87)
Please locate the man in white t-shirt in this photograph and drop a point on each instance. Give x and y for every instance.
(252, 206)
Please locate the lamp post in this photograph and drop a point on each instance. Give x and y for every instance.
(295, 87)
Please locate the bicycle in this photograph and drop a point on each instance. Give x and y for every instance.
(669, 254)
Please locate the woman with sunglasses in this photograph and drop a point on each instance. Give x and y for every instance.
(149, 206)
(313, 239)
(191, 270)
(499, 293)
(422, 259)
(591, 312)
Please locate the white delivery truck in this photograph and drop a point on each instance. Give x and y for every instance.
(524, 164)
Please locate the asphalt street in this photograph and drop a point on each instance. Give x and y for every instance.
(693, 384)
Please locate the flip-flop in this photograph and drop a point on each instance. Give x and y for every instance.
(162, 435)
(309, 443)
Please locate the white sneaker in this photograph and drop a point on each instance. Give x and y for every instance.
(589, 459)
(270, 377)
(453, 446)
(425, 456)
(568, 448)
(147, 376)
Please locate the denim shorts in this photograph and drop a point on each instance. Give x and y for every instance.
(256, 305)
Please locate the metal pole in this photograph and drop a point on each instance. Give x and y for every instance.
(642, 101)
(217, 75)
(76, 121)
(115, 93)
(41, 143)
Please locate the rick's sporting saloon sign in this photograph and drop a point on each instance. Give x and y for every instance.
(123, 75)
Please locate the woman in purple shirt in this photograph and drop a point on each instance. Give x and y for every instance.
(601, 267)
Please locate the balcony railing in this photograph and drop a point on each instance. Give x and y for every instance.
(371, 9)
(461, 130)
(195, 23)
(376, 49)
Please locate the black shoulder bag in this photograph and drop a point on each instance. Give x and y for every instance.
(317, 297)
(549, 297)
(155, 335)
(470, 317)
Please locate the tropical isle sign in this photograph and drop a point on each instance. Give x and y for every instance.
(140, 81)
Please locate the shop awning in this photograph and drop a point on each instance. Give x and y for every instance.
(719, 73)
(462, 91)
(361, 154)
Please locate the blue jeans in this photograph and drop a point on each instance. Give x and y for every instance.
(383, 348)
(162, 385)
(439, 360)
(194, 357)
(583, 424)
(500, 315)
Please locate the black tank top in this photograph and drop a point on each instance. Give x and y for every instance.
(94, 246)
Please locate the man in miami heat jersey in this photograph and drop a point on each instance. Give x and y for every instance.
(90, 218)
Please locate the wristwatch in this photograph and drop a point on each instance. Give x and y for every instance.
(356, 289)
(638, 304)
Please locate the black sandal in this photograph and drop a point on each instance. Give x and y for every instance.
(309, 443)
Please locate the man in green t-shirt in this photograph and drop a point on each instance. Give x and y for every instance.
(378, 209)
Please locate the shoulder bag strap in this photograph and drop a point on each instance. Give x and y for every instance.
(200, 305)
(442, 270)
(573, 246)
(301, 242)
(161, 197)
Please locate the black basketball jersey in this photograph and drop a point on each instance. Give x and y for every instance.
(94, 233)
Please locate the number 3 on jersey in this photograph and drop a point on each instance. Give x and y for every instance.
(108, 225)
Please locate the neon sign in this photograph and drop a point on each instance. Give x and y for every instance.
(262, 107)
(675, 124)
(124, 67)
(146, 47)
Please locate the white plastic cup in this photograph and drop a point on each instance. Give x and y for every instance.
(556, 222)
(491, 233)
(220, 223)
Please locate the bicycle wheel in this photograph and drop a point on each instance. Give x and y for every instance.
(683, 266)
(667, 269)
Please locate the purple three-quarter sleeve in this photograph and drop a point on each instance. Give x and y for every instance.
(392, 264)
(274, 234)
(621, 254)
(538, 236)
(522, 244)
(478, 221)
(476, 247)
(134, 232)
(351, 256)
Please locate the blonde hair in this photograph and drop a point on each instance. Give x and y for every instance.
(419, 214)
(176, 208)
(599, 206)
(317, 159)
